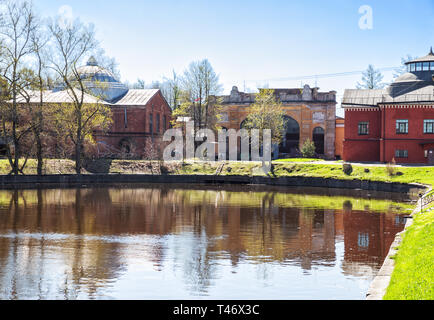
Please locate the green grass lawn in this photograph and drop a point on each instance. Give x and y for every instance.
(299, 160)
(295, 168)
(413, 276)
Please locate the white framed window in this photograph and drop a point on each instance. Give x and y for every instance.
(401, 153)
(428, 126)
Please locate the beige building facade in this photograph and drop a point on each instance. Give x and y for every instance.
(309, 114)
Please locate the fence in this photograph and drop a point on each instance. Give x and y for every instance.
(426, 200)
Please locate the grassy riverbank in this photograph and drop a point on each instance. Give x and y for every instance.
(413, 276)
(423, 175)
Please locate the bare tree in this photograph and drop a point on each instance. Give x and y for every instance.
(403, 68)
(108, 63)
(16, 29)
(171, 90)
(200, 86)
(70, 46)
(371, 79)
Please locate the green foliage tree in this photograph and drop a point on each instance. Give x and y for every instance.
(308, 149)
(266, 113)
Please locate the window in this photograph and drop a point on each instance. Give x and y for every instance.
(164, 123)
(363, 128)
(158, 122)
(426, 153)
(413, 67)
(432, 66)
(401, 126)
(363, 240)
(428, 126)
(425, 66)
(419, 66)
(151, 123)
(401, 153)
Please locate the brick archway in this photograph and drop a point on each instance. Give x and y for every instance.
(318, 135)
(291, 137)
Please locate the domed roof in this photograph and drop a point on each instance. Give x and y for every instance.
(427, 58)
(101, 82)
(407, 77)
(94, 72)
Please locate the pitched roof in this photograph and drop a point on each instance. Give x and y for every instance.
(136, 97)
(370, 98)
(64, 96)
(362, 97)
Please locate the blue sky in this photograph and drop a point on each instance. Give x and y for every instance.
(249, 42)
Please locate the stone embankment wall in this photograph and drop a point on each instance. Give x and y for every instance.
(33, 181)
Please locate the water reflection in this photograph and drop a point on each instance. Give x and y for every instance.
(175, 243)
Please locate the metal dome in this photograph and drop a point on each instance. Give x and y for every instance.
(407, 77)
(99, 81)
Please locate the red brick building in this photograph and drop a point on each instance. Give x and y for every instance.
(140, 116)
(393, 123)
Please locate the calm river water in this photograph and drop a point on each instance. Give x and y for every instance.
(180, 242)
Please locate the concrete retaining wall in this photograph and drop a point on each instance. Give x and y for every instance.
(379, 285)
(33, 181)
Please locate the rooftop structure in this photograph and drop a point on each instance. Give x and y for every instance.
(99, 81)
(306, 94)
(395, 123)
(414, 86)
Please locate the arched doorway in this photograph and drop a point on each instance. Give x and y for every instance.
(125, 146)
(318, 139)
(291, 137)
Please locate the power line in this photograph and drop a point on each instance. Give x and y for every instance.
(322, 76)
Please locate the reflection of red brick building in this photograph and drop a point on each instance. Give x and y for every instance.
(368, 236)
(394, 123)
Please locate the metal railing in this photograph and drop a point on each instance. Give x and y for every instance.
(426, 200)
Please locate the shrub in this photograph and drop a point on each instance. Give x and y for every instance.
(390, 168)
(308, 149)
(347, 168)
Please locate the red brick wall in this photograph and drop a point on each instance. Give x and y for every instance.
(362, 147)
(383, 141)
(411, 141)
(136, 128)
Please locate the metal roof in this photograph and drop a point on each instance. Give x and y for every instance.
(64, 96)
(136, 97)
(370, 98)
(427, 58)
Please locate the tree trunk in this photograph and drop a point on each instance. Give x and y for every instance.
(39, 154)
(78, 157)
